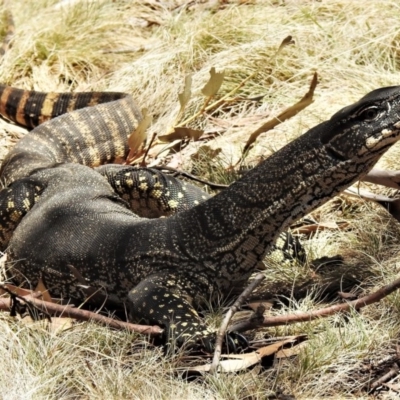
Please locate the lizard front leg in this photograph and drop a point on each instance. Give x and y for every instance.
(162, 299)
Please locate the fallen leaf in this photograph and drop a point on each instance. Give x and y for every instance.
(181, 133)
(167, 147)
(266, 304)
(60, 324)
(321, 226)
(138, 137)
(55, 326)
(43, 290)
(17, 290)
(214, 83)
(291, 351)
(184, 97)
(291, 111)
(285, 42)
(239, 362)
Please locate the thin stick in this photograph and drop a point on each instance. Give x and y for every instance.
(222, 329)
(81, 315)
(212, 185)
(383, 177)
(143, 163)
(389, 375)
(374, 297)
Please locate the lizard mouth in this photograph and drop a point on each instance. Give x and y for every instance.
(385, 139)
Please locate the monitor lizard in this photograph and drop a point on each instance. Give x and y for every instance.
(80, 235)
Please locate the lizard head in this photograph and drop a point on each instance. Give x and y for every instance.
(364, 130)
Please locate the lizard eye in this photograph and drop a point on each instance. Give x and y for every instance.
(369, 114)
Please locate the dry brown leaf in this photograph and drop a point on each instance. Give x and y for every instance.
(158, 149)
(286, 114)
(17, 290)
(383, 177)
(267, 305)
(181, 133)
(321, 226)
(138, 137)
(285, 42)
(273, 348)
(43, 290)
(239, 362)
(366, 195)
(60, 324)
(214, 83)
(184, 97)
(55, 326)
(291, 351)
(175, 144)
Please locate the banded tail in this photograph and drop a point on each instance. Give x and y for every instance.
(89, 128)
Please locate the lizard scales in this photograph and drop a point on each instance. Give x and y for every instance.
(163, 268)
(89, 135)
(90, 128)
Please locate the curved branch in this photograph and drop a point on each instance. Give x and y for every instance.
(374, 297)
(383, 177)
(81, 315)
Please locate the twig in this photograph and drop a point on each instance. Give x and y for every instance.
(392, 205)
(383, 177)
(212, 185)
(232, 310)
(143, 162)
(324, 312)
(373, 177)
(391, 374)
(289, 112)
(366, 195)
(80, 315)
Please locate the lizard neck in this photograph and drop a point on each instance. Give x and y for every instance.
(235, 229)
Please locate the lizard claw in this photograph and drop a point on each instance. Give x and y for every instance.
(235, 342)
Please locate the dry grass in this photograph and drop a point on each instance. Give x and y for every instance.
(146, 48)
